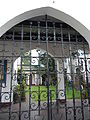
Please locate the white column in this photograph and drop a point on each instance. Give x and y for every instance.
(60, 78)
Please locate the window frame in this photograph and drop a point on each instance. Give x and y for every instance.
(3, 81)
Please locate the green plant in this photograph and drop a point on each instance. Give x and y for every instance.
(21, 75)
(16, 94)
(19, 92)
(84, 94)
(23, 85)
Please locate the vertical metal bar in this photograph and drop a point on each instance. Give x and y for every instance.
(47, 65)
(39, 83)
(38, 33)
(2, 65)
(30, 45)
(39, 68)
(12, 62)
(56, 72)
(71, 69)
(82, 110)
(86, 71)
(63, 60)
(50, 104)
(54, 33)
(57, 105)
(21, 56)
(2, 61)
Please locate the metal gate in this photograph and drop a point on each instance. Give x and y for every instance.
(52, 83)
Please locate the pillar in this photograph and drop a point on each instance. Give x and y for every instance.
(60, 79)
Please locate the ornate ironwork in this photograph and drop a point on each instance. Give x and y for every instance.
(64, 93)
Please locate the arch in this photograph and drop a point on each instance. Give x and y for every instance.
(51, 12)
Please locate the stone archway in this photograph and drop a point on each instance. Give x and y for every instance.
(51, 12)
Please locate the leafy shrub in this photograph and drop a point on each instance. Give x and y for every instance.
(16, 92)
(84, 94)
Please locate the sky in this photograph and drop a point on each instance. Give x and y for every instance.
(79, 9)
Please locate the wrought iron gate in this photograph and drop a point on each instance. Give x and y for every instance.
(62, 89)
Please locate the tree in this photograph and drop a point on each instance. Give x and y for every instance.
(51, 68)
(42, 59)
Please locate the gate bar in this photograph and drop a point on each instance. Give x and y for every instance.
(21, 56)
(38, 33)
(63, 60)
(30, 57)
(82, 110)
(54, 33)
(12, 62)
(47, 66)
(70, 53)
(56, 72)
(2, 61)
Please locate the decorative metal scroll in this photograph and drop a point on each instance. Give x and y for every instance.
(58, 86)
